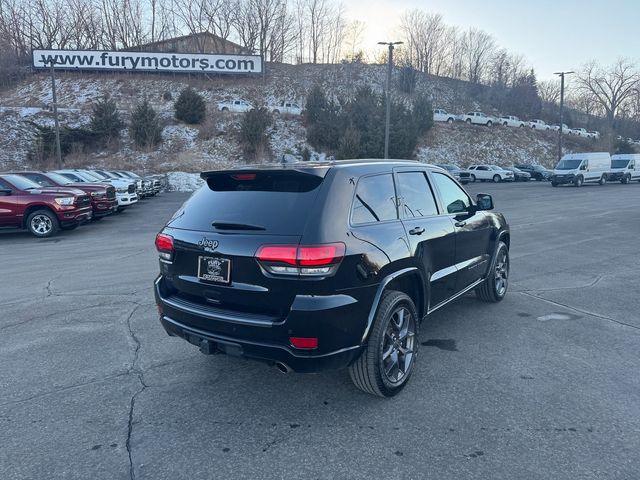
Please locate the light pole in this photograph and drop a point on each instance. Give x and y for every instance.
(55, 113)
(561, 74)
(387, 126)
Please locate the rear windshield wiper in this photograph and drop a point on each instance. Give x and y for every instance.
(236, 226)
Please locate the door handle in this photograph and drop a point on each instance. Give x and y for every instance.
(461, 224)
(416, 231)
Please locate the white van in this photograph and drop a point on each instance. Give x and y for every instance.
(579, 168)
(625, 167)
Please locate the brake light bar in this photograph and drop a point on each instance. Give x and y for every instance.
(244, 176)
(306, 343)
(310, 260)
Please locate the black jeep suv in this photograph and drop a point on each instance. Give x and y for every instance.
(315, 266)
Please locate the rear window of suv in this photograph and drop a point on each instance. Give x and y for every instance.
(276, 202)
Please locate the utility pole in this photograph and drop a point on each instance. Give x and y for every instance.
(561, 75)
(388, 115)
(55, 114)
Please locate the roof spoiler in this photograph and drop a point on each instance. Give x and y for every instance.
(271, 170)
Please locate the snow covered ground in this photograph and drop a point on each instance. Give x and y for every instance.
(183, 182)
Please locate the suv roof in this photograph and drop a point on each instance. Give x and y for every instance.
(317, 168)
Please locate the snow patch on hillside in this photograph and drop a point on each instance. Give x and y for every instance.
(183, 182)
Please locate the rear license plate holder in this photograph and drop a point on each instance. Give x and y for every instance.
(214, 269)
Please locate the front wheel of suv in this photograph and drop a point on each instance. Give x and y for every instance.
(494, 288)
(387, 361)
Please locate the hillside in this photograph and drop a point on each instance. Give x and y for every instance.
(214, 144)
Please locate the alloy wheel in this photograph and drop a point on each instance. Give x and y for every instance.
(502, 272)
(398, 346)
(41, 224)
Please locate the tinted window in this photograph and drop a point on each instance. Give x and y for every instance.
(483, 168)
(454, 199)
(4, 185)
(375, 200)
(417, 198)
(274, 202)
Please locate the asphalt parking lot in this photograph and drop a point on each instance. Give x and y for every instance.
(544, 385)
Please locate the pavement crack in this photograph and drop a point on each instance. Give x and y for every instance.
(134, 369)
(593, 283)
(575, 309)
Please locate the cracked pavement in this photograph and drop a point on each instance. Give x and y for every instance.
(543, 385)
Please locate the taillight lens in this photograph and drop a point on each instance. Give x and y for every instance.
(306, 260)
(304, 343)
(164, 245)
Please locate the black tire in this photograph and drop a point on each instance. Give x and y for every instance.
(578, 181)
(450, 120)
(225, 109)
(489, 123)
(505, 124)
(69, 227)
(468, 121)
(43, 223)
(369, 372)
(276, 112)
(626, 179)
(497, 178)
(603, 180)
(554, 184)
(495, 286)
(472, 178)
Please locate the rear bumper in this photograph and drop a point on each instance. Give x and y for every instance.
(338, 321)
(269, 353)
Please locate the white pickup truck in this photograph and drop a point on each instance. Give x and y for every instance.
(477, 118)
(289, 108)
(237, 106)
(539, 125)
(511, 121)
(580, 132)
(440, 115)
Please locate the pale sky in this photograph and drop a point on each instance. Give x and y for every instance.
(553, 35)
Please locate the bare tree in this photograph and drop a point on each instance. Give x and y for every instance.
(549, 91)
(478, 47)
(353, 38)
(610, 87)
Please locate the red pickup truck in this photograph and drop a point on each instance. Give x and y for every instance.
(41, 210)
(103, 195)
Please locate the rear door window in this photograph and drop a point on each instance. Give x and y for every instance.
(416, 194)
(375, 200)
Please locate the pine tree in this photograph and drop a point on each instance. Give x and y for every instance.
(105, 120)
(350, 144)
(316, 104)
(253, 129)
(145, 126)
(422, 114)
(190, 107)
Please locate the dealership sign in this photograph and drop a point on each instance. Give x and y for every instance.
(116, 61)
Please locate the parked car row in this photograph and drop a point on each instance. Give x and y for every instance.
(495, 173)
(479, 118)
(596, 167)
(242, 106)
(44, 202)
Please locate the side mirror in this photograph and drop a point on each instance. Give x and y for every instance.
(583, 166)
(484, 201)
(5, 192)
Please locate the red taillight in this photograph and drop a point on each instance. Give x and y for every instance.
(317, 255)
(311, 260)
(277, 253)
(164, 245)
(304, 342)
